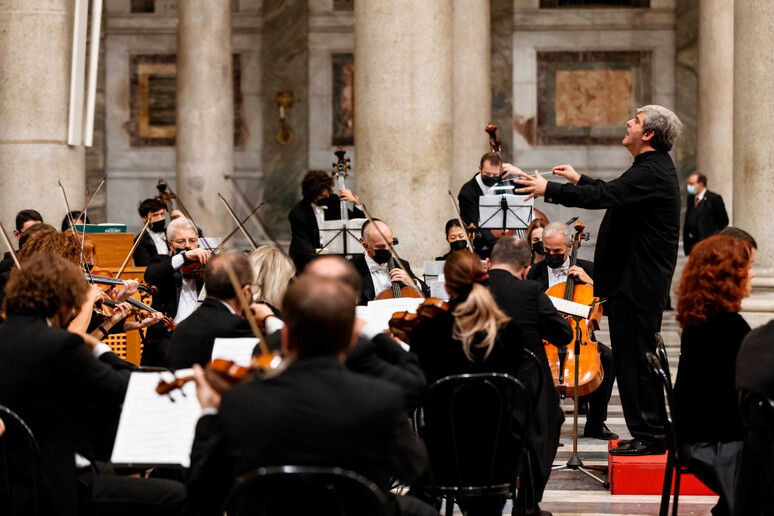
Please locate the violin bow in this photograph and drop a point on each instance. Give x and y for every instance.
(10, 247)
(131, 251)
(239, 223)
(394, 255)
(72, 224)
(233, 232)
(459, 218)
(256, 218)
(67, 205)
(185, 212)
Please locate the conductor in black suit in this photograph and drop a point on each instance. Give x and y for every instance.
(374, 264)
(555, 270)
(318, 203)
(635, 258)
(705, 213)
(219, 316)
(154, 241)
(315, 413)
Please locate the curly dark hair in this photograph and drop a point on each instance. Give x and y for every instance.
(714, 279)
(45, 286)
(314, 183)
(51, 243)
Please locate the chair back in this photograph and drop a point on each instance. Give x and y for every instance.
(476, 428)
(323, 491)
(756, 472)
(20, 481)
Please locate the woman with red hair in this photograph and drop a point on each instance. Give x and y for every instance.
(716, 278)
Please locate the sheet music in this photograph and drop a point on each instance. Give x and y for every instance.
(153, 428)
(571, 307)
(438, 289)
(380, 312)
(434, 267)
(238, 350)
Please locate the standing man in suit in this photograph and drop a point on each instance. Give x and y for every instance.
(318, 203)
(552, 271)
(635, 258)
(154, 241)
(373, 265)
(177, 295)
(705, 212)
(315, 413)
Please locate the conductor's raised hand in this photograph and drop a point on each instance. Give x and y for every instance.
(567, 172)
(197, 255)
(535, 185)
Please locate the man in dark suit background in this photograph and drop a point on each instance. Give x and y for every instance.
(219, 315)
(315, 413)
(318, 203)
(154, 241)
(373, 265)
(552, 271)
(635, 258)
(705, 213)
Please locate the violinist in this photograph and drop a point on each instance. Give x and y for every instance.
(552, 271)
(455, 237)
(154, 241)
(77, 217)
(535, 239)
(177, 294)
(318, 203)
(273, 271)
(491, 172)
(373, 265)
(25, 219)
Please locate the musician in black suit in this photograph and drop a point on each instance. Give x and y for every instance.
(705, 212)
(177, 295)
(154, 241)
(555, 270)
(318, 203)
(635, 258)
(315, 413)
(219, 315)
(68, 388)
(374, 264)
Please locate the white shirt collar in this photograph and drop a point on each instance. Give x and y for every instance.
(700, 196)
(485, 190)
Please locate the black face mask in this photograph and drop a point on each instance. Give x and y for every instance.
(489, 180)
(158, 226)
(554, 260)
(458, 245)
(381, 256)
(537, 248)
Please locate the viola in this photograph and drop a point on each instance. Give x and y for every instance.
(561, 356)
(223, 374)
(402, 323)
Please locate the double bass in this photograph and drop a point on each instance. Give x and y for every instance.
(561, 356)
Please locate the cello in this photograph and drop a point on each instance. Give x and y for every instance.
(340, 172)
(561, 357)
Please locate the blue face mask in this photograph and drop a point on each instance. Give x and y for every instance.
(691, 189)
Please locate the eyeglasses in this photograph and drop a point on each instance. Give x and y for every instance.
(185, 241)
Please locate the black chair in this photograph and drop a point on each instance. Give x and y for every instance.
(21, 483)
(674, 466)
(754, 494)
(476, 428)
(325, 491)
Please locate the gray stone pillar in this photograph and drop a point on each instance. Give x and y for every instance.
(403, 125)
(715, 123)
(34, 109)
(472, 83)
(205, 111)
(753, 110)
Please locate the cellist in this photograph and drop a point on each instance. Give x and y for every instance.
(553, 271)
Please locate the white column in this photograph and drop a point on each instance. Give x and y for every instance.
(715, 118)
(35, 61)
(205, 111)
(472, 85)
(403, 126)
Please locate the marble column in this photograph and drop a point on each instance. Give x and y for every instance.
(753, 112)
(715, 124)
(472, 83)
(34, 107)
(205, 111)
(403, 124)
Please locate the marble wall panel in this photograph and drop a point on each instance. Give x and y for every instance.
(503, 77)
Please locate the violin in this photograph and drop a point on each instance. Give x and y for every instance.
(402, 323)
(109, 280)
(561, 357)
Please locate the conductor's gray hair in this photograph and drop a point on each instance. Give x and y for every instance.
(664, 124)
(557, 228)
(179, 223)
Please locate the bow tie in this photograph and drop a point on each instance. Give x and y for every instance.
(564, 269)
(375, 267)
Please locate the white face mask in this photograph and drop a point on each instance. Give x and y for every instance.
(691, 189)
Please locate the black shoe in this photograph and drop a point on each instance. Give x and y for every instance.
(623, 443)
(637, 447)
(599, 432)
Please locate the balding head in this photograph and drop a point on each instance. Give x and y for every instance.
(216, 275)
(511, 254)
(335, 267)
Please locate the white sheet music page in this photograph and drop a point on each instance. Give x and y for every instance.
(154, 428)
(238, 350)
(571, 307)
(380, 312)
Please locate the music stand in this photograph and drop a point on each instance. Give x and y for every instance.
(341, 237)
(505, 212)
